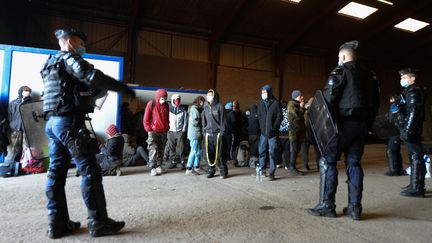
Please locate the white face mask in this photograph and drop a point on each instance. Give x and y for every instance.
(247, 113)
(404, 83)
(264, 96)
(162, 101)
(26, 93)
(210, 98)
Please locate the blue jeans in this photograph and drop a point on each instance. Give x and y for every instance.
(63, 136)
(268, 145)
(195, 154)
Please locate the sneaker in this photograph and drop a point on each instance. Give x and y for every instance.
(198, 170)
(172, 165)
(159, 170)
(55, 232)
(189, 172)
(153, 172)
(271, 177)
(325, 209)
(222, 176)
(104, 227)
(279, 166)
(295, 172)
(118, 172)
(353, 211)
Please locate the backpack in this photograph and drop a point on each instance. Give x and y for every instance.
(31, 162)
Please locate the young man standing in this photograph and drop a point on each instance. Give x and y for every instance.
(156, 123)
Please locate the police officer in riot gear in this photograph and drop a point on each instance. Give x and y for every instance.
(410, 114)
(352, 95)
(71, 84)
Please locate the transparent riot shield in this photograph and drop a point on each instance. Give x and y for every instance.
(34, 128)
(323, 126)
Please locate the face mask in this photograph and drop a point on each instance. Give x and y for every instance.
(25, 93)
(161, 101)
(404, 83)
(247, 113)
(177, 102)
(340, 63)
(264, 96)
(210, 99)
(80, 50)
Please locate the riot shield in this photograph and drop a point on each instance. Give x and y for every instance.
(383, 128)
(321, 121)
(34, 128)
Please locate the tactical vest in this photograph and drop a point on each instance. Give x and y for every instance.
(63, 93)
(356, 92)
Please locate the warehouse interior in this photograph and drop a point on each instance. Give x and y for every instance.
(234, 47)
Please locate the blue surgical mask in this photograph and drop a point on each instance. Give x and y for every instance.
(80, 50)
(404, 83)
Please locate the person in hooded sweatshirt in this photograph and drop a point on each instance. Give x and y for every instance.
(156, 124)
(16, 125)
(177, 132)
(195, 136)
(232, 132)
(270, 118)
(111, 156)
(213, 125)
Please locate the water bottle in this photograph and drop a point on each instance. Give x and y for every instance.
(258, 173)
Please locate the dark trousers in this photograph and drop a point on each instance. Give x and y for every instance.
(176, 146)
(231, 145)
(350, 141)
(294, 150)
(268, 145)
(253, 144)
(216, 154)
(284, 151)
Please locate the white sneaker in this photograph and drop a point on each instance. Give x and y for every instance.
(159, 170)
(153, 172)
(189, 172)
(118, 172)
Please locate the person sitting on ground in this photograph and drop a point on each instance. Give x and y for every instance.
(133, 153)
(111, 156)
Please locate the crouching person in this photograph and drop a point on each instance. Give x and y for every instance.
(111, 156)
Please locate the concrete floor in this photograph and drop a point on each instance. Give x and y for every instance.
(178, 208)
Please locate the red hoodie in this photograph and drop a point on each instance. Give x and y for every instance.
(156, 118)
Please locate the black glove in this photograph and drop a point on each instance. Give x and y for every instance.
(406, 136)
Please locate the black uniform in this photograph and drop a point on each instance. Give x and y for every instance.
(352, 94)
(71, 84)
(410, 122)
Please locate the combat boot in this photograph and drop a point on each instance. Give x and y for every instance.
(57, 230)
(353, 211)
(325, 209)
(99, 227)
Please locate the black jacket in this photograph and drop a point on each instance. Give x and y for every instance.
(270, 117)
(213, 116)
(253, 122)
(413, 115)
(352, 92)
(15, 121)
(113, 149)
(233, 122)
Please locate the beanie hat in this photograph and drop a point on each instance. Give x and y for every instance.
(295, 94)
(112, 130)
(229, 106)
